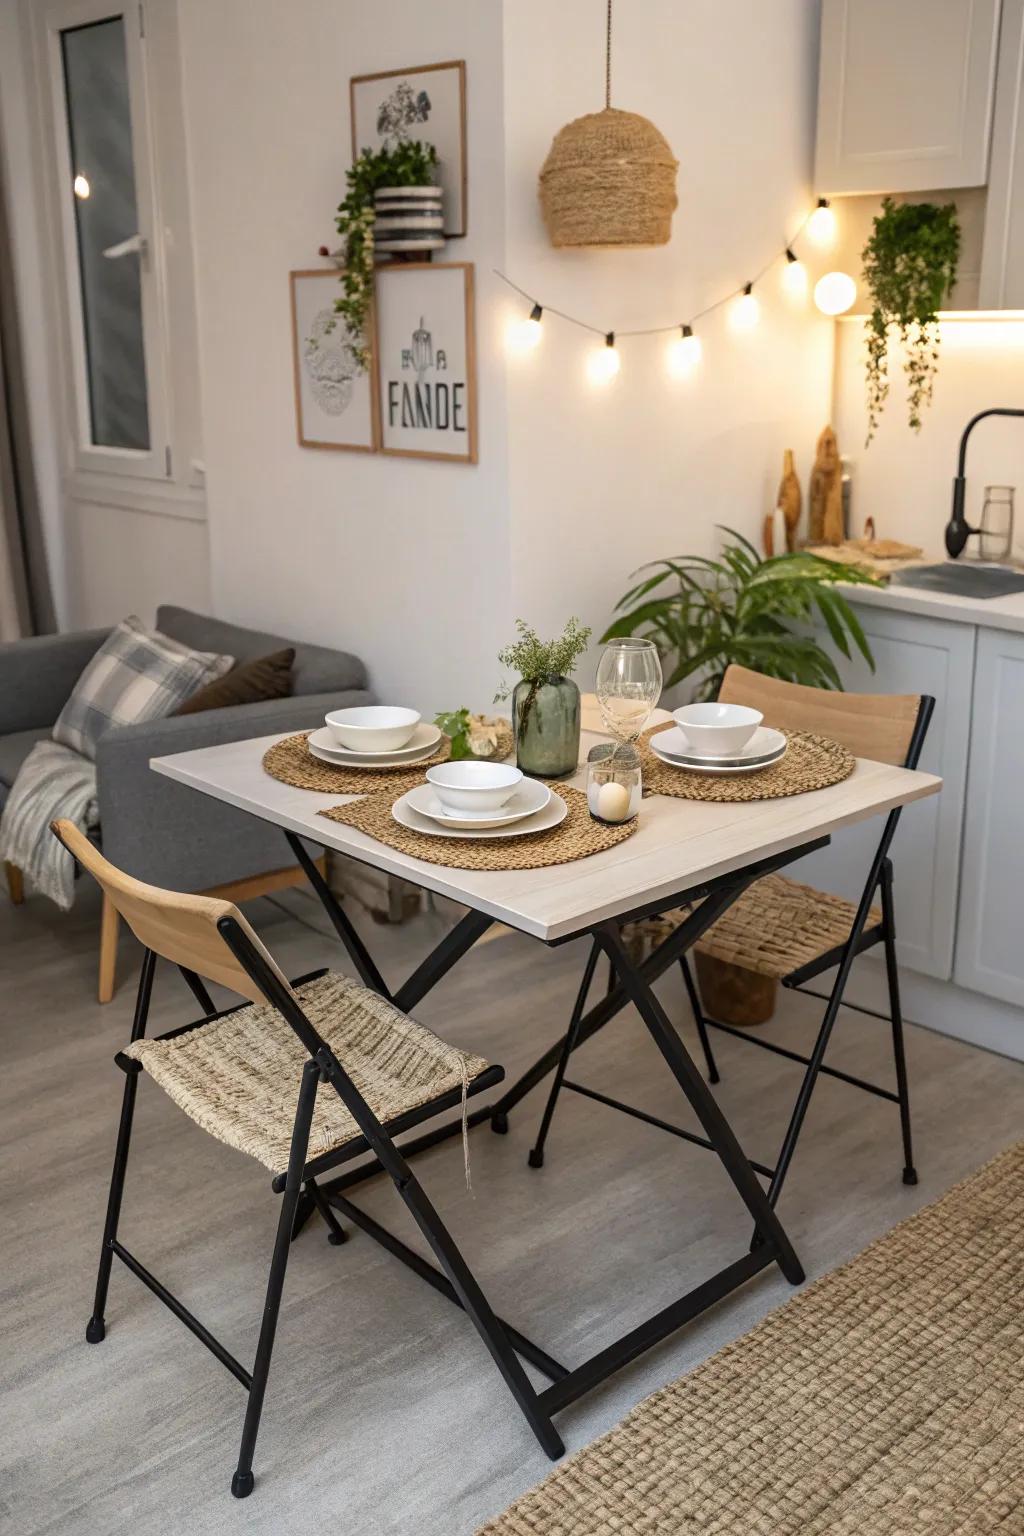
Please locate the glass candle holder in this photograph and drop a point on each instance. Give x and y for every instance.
(614, 785)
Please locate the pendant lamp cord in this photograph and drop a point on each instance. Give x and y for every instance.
(608, 60)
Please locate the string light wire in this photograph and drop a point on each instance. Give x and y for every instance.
(664, 330)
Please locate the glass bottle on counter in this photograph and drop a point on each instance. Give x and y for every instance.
(995, 541)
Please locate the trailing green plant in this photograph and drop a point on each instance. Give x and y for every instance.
(704, 614)
(910, 265)
(409, 163)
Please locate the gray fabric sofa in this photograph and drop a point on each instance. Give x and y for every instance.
(150, 827)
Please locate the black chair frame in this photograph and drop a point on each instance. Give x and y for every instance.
(862, 937)
(301, 1194)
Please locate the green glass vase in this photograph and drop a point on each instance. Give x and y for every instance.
(546, 721)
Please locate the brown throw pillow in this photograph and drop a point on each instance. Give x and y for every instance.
(268, 677)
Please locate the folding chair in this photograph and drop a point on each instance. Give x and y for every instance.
(793, 932)
(249, 1075)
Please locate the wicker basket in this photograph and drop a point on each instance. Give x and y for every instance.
(609, 180)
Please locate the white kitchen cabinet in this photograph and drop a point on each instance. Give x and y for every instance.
(914, 655)
(990, 930)
(905, 94)
(1002, 265)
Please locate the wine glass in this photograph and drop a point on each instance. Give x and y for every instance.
(628, 686)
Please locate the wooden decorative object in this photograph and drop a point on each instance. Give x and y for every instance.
(774, 533)
(826, 498)
(732, 994)
(790, 499)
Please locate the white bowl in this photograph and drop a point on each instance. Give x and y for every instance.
(717, 730)
(472, 786)
(372, 727)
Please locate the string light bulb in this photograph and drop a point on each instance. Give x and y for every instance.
(746, 311)
(524, 335)
(834, 293)
(604, 362)
(794, 276)
(80, 186)
(821, 226)
(683, 353)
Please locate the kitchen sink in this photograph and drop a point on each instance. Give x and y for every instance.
(966, 580)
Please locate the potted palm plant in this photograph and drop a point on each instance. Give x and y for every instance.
(704, 614)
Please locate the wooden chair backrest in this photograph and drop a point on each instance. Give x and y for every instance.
(181, 928)
(875, 725)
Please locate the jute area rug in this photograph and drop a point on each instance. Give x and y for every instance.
(887, 1399)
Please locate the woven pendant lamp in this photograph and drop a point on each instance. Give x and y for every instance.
(609, 178)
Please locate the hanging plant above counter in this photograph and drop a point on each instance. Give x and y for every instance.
(408, 164)
(910, 266)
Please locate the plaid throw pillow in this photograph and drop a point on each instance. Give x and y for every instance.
(137, 674)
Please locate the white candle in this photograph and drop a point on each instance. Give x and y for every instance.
(613, 801)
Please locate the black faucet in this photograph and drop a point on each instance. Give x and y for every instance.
(957, 529)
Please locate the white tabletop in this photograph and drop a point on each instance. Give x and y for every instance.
(678, 845)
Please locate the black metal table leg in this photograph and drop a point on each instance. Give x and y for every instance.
(357, 950)
(703, 1103)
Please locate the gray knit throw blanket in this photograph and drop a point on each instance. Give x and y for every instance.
(52, 782)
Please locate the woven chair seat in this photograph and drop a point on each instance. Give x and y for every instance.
(777, 926)
(238, 1076)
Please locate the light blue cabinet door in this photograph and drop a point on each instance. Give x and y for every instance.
(913, 655)
(990, 932)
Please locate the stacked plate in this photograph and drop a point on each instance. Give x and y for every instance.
(423, 742)
(764, 748)
(531, 808)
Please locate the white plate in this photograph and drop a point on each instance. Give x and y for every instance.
(765, 746)
(324, 745)
(530, 797)
(710, 767)
(553, 813)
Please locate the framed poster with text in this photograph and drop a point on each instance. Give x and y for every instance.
(426, 360)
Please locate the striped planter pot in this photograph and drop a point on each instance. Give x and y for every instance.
(408, 219)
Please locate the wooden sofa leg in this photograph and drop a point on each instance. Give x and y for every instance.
(108, 949)
(15, 884)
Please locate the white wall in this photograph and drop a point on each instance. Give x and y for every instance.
(421, 566)
(402, 561)
(904, 480)
(606, 477)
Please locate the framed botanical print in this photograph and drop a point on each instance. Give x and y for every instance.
(425, 359)
(426, 103)
(335, 396)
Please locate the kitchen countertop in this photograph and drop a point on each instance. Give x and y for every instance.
(988, 613)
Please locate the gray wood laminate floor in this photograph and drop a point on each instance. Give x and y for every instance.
(384, 1415)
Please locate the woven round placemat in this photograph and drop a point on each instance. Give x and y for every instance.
(291, 761)
(811, 762)
(576, 837)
